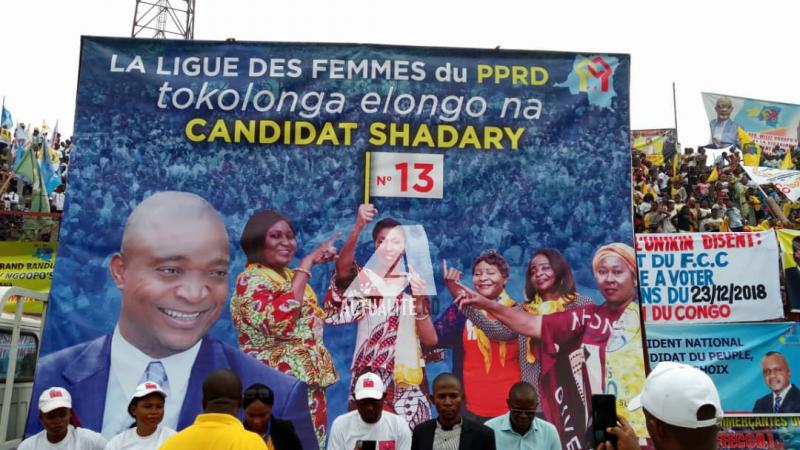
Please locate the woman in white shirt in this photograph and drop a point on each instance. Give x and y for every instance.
(147, 409)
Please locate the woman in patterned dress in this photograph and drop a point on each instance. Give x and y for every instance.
(387, 300)
(275, 311)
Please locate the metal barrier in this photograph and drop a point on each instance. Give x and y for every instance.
(14, 398)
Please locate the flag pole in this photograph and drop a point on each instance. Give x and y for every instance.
(366, 177)
(675, 115)
(6, 183)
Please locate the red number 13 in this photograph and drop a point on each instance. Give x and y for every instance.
(424, 181)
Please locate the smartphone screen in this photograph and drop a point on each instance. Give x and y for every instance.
(604, 415)
(367, 445)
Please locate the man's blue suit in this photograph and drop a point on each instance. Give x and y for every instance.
(730, 132)
(789, 405)
(83, 370)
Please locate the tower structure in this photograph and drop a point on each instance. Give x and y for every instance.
(163, 19)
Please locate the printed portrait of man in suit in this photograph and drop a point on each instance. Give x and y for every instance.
(172, 272)
(784, 396)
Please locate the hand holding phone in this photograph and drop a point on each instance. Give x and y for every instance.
(626, 437)
(604, 415)
(366, 445)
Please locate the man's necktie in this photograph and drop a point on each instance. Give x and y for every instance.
(156, 373)
(778, 401)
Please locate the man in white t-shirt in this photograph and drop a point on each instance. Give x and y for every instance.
(57, 198)
(55, 413)
(369, 423)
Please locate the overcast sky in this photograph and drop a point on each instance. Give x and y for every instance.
(734, 47)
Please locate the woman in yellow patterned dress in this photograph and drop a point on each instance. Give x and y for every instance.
(275, 311)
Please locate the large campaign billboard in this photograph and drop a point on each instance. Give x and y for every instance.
(290, 207)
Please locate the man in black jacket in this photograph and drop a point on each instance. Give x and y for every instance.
(450, 431)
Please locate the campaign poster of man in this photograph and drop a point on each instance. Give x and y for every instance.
(305, 213)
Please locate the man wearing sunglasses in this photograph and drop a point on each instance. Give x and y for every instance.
(520, 428)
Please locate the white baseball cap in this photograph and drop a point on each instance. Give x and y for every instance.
(369, 385)
(674, 392)
(147, 388)
(54, 398)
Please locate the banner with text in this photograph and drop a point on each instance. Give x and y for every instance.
(27, 265)
(709, 277)
(769, 123)
(759, 433)
(748, 362)
(287, 142)
(658, 145)
(786, 181)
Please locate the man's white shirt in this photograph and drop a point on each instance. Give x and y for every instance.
(348, 429)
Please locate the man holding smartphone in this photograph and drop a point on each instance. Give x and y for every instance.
(369, 427)
(520, 428)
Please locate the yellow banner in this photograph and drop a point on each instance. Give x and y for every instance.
(657, 145)
(786, 239)
(27, 265)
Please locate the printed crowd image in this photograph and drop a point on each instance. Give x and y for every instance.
(361, 245)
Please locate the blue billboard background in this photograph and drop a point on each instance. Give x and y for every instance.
(566, 187)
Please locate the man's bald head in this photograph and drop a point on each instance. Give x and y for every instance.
(724, 108)
(522, 390)
(172, 272)
(222, 392)
(165, 209)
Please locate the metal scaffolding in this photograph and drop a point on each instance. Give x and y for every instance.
(161, 19)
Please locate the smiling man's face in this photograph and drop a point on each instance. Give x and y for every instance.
(174, 281)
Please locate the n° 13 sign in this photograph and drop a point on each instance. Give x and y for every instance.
(406, 175)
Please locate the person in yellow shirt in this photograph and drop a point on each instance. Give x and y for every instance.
(218, 427)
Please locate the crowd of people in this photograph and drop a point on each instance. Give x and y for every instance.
(16, 193)
(694, 192)
(681, 404)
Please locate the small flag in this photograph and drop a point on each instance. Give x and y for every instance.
(24, 165)
(714, 176)
(675, 160)
(751, 152)
(787, 163)
(50, 179)
(5, 118)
